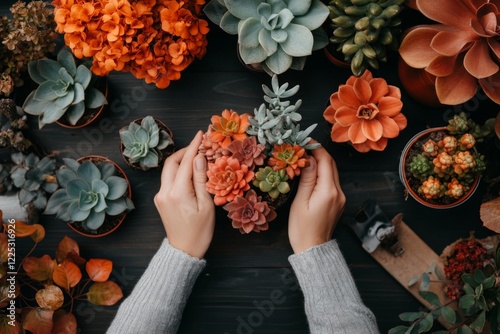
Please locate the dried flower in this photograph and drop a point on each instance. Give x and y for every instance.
(227, 178)
(247, 151)
(365, 112)
(290, 158)
(249, 213)
(228, 127)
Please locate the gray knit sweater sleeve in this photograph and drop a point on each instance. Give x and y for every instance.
(332, 302)
(158, 299)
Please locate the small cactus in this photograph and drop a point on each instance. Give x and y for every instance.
(432, 188)
(272, 182)
(421, 166)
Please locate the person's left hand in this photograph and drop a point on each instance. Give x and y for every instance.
(185, 207)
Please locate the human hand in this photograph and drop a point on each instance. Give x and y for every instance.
(185, 207)
(318, 204)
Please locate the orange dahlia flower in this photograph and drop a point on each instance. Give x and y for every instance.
(365, 112)
(227, 178)
(288, 157)
(228, 127)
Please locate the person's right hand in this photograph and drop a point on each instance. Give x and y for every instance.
(318, 204)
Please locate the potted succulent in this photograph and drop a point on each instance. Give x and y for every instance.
(272, 35)
(440, 167)
(65, 89)
(26, 36)
(460, 51)
(362, 30)
(146, 143)
(161, 40)
(94, 196)
(253, 158)
(366, 113)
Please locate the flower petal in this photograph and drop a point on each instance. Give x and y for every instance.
(416, 48)
(363, 147)
(362, 90)
(379, 145)
(441, 66)
(450, 43)
(335, 101)
(379, 88)
(449, 12)
(390, 106)
(456, 88)
(401, 121)
(348, 97)
(391, 128)
(478, 61)
(491, 87)
(355, 134)
(372, 129)
(329, 114)
(346, 116)
(339, 133)
(495, 46)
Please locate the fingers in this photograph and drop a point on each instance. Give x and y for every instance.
(200, 177)
(170, 169)
(185, 171)
(307, 182)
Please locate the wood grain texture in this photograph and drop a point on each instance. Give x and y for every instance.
(246, 269)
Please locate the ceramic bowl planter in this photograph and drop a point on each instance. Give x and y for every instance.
(438, 186)
(94, 196)
(146, 143)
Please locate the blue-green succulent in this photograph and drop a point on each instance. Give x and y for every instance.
(278, 34)
(88, 193)
(64, 89)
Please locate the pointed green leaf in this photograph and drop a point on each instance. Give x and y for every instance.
(315, 17)
(46, 92)
(95, 220)
(66, 59)
(48, 69)
(229, 23)
(117, 187)
(243, 9)
(94, 98)
(83, 76)
(299, 42)
(430, 297)
(479, 323)
(279, 62)
(34, 74)
(298, 7)
(449, 314)
(88, 172)
(75, 112)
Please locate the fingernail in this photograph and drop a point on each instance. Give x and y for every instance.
(200, 163)
(311, 165)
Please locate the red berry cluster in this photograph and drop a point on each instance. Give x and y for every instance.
(468, 255)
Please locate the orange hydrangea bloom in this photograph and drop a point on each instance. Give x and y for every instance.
(365, 112)
(291, 158)
(228, 127)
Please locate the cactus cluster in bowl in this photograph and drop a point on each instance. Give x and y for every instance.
(363, 30)
(146, 143)
(252, 159)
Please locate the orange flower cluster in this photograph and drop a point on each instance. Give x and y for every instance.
(155, 40)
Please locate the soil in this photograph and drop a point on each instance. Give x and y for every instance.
(110, 222)
(281, 199)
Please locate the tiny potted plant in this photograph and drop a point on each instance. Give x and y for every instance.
(363, 30)
(272, 36)
(94, 196)
(47, 290)
(146, 143)
(440, 167)
(65, 89)
(252, 159)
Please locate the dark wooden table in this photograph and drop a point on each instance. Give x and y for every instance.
(243, 270)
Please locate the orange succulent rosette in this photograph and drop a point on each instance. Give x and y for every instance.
(288, 157)
(365, 112)
(228, 127)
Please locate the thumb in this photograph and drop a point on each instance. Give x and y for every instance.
(307, 182)
(200, 176)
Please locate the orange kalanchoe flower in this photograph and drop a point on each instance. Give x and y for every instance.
(291, 158)
(365, 112)
(227, 178)
(228, 127)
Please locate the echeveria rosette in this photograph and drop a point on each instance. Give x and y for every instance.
(290, 158)
(278, 34)
(273, 182)
(247, 151)
(365, 112)
(88, 193)
(461, 51)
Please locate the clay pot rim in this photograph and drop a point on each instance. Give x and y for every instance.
(403, 178)
(96, 116)
(160, 162)
(123, 214)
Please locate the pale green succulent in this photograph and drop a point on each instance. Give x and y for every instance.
(363, 29)
(88, 193)
(272, 182)
(143, 142)
(278, 122)
(34, 178)
(278, 34)
(64, 89)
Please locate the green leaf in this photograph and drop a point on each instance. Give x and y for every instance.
(425, 282)
(75, 112)
(83, 76)
(243, 9)
(116, 207)
(298, 7)
(398, 330)
(279, 62)
(79, 93)
(107, 169)
(55, 202)
(66, 59)
(48, 69)
(34, 74)
(229, 23)
(94, 98)
(411, 316)
(469, 279)
(489, 282)
(267, 42)
(88, 172)
(249, 34)
(464, 329)
(426, 323)
(449, 314)
(214, 10)
(466, 301)
(65, 76)
(46, 92)
(299, 42)
(315, 17)
(479, 276)
(479, 323)
(99, 186)
(95, 220)
(430, 297)
(52, 114)
(117, 187)
(77, 214)
(468, 289)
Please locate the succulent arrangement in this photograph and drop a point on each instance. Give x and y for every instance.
(65, 89)
(363, 30)
(469, 280)
(145, 143)
(48, 290)
(26, 36)
(253, 159)
(12, 124)
(277, 35)
(89, 192)
(443, 166)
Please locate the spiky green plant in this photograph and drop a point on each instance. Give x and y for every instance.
(278, 122)
(276, 34)
(272, 182)
(144, 142)
(88, 192)
(363, 29)
(64, 89)
(34, 177)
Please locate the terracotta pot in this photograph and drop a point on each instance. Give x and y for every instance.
(404, 177)
(114, 221)
(165, 153)
(333, 56)
(419, 84)
(93, 114)
(411, 4)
